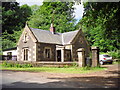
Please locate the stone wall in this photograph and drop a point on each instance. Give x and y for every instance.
(79, 42)
(67, 56)
(41, 51)
(28, 44)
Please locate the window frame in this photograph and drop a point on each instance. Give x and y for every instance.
(45, 55)
(25, 54)
(25, 37)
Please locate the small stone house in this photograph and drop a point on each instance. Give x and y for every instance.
(48, 45)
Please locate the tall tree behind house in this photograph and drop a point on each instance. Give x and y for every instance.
(13, 20)
(101, 24)
(63, 16)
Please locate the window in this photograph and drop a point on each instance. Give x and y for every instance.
(9, 55)
(47, 53)
(81, 40)
(25, 51)
(25, 37)
(106, 55)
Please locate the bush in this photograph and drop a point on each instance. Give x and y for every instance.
(86, 68)
(8, 64)
(18, 65)
(26, 65)
(4, 63)
(74, 64)
(115, 55)
(66, 66)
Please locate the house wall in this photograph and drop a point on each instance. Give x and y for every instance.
(14, 52)
(68, 50)
(67, 56)
(79, 42)
(41, 51)
(29, 44)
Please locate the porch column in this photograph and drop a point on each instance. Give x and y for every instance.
(62, 54)
(95, 56)
(81, 57)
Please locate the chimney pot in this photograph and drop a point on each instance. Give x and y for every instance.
(52, 29)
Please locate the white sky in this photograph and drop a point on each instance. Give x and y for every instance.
(78, 11)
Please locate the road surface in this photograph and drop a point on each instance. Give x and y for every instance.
(103, 79)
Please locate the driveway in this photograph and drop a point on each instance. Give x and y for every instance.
(101, 79)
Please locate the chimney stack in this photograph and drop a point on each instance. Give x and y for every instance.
(52, 29)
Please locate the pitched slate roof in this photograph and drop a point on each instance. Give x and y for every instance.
(68, 37)
(46, 36)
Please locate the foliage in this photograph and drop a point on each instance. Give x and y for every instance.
(14, 18)
(115, 55)
(100, 24)
(74, 64)
(59, 13)
(57, 70)
(8, 41)
(16, 65)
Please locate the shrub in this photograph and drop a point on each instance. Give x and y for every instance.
(74, 64)
(115, 55)
(18, 65)
(4, 63)
(10, 65)
(26, 65)
(86, 68)
(66, 66)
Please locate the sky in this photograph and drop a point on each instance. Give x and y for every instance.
(78, 8)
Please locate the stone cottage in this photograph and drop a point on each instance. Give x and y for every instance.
(48, 45)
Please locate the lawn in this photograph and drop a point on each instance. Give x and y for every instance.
(56, 69)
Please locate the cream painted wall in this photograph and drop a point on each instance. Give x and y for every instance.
(14, 52)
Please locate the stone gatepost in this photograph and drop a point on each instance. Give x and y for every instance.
(81, 57)
(95, 56)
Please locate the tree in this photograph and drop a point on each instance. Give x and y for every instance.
(59, 13)
(101, 25)
(10, 17)
(14, 18)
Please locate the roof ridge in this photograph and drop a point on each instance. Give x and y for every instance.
(58, 38)
(70, 32)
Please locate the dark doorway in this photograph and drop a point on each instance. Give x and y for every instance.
(59, 55)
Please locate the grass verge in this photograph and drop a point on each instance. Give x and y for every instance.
(72, 70)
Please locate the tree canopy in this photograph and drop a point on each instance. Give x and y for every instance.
(101, 24)
(59, 13)
(14, 18)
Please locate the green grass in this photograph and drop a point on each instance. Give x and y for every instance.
(118, 62)
(57, 70)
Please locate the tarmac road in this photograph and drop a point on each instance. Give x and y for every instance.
(102, 79)
(12, 79)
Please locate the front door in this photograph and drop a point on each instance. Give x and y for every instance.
(59, 55)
